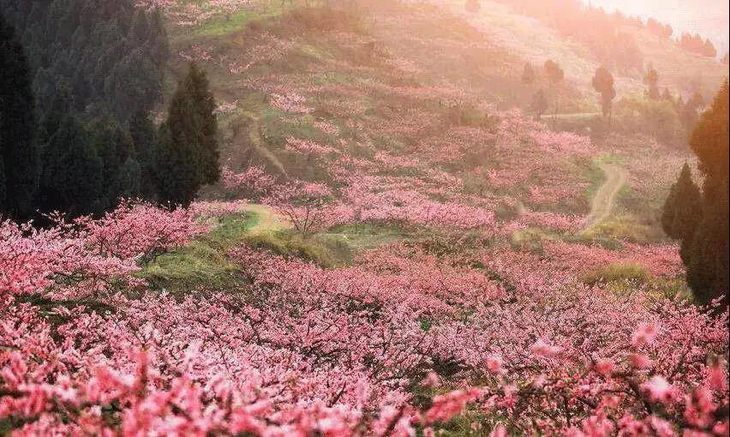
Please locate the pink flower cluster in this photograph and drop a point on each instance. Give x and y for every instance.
(141, 230)
(82, 257)
(299, 349)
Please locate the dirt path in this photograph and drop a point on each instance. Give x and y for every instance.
(605, 198)
(267, 219)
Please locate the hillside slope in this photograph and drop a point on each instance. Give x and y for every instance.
(398, 82)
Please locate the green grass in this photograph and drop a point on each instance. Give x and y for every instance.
(618, 272)
(202, 263)
(626, 227)
(369, 235)
(222, 26)
(323, 250)
(596, 177)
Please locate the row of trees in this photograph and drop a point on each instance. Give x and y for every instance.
(86, 73)
(698, 216)
(79, 149)
(695, 44)
(108, 56)
(667, 117)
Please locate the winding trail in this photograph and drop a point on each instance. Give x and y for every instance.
(605, 198)
(267, 219)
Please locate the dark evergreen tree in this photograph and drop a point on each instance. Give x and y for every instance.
(95, 59)
(3, 205)
(72, 175)
(555, 75)
(553, 72)
(144, 136)
(109, 53)
(688, 111)
(188, 153)
(205, 123)
(115, 148)
(707, 271)
(682, 211)
(539, 104)
(683, 207)
(19, 153)
(177, 177)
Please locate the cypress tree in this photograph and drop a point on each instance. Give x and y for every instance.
(204, 126)
(683, 207)
(114, 147)
(707, 271)
(709, 262)
(2, 186)
(603, 83)
(19, 154)
(539, 104)
(528, 74)
(188, 152)
(71, 180)
(682, 212)
(652, 82)
(144, 136)
(177, 175)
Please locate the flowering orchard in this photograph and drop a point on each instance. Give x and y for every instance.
(296, 349)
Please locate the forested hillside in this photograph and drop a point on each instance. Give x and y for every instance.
(97, 70)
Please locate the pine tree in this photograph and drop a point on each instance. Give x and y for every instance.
(71, 180)
(144, 136)
(177, 178)
(554, 75)
(2, 187)
(709, 262)
(682, 212)
(114, 147)
(553, 72)
(188, 153)
(19, 153)
(707, 271)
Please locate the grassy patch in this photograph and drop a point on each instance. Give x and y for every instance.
(203, 262)
(369, 235)
(531, 239)
(324, 250)
(222, 26)
(619, 272)
(626, 227)
(278, 126)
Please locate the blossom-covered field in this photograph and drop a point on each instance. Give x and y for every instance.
(472, 297)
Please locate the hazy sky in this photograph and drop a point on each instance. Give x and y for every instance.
(707, 17)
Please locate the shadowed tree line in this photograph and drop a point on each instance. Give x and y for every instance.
(79, 79)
